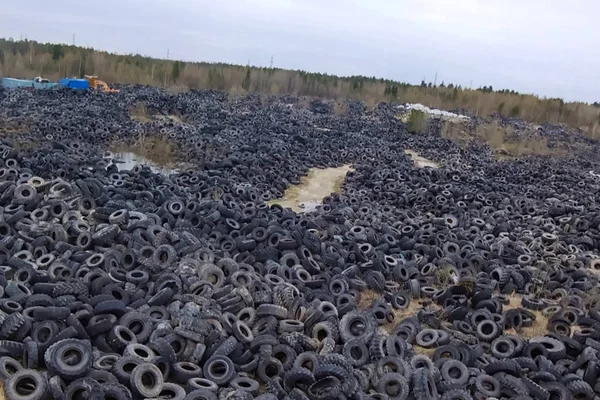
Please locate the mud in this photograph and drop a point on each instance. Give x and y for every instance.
(308, 195)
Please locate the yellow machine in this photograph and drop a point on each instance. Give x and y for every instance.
(96, 84)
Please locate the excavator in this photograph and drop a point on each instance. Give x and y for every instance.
(96, 84)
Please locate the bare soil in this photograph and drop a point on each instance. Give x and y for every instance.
(317, 184)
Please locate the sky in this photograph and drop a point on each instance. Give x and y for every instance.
(546, 47)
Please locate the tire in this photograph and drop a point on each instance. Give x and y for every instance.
(146, 380)
(8, 367)
(219, 369)
(454, 373)
(201, 394)
(328, 388)
(35, 384)
(183, 371)
(356, 352)
(427, 338)
(113, 391)
(456, 394)
(423, 385)
(69, 358)
(394, 385)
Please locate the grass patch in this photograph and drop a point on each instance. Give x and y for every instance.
(140, 113)
(540, 323)
(417, 122)
(504, 141)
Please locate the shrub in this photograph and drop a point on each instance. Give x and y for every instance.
(417, 122)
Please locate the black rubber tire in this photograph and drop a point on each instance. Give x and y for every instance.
(183, 371)
(113, 391)
(394, 385)
(36, 386)
(356, 352)
(146, 380)
(201, 383)
(487, 385)
(454, 373)
(456, 394)
(219, 369)
(59, 358)
(423, 385)
(201, 394)
(8, 367)
(124, 367)
(328, 388)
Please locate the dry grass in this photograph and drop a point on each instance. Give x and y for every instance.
(368, 297)
(423, 351)
(157, 149)
(176, 89)
(340, 108)
(503, 140)
(303, 103)
(539, 326)
(27, 59)
(140, 113)
(457, 132)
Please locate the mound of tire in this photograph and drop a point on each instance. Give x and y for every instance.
(477, 280)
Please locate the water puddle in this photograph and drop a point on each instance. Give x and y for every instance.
(308, 195)
(421, 162)
(126, 160)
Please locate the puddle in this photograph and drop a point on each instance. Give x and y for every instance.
(308, 195)
(126, 160)
(421, 162)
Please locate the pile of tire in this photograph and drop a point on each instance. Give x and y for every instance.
(413, 283)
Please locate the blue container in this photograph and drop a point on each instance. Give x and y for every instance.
(26, 83)
(80, 84)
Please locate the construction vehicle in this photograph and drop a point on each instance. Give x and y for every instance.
(96, 84)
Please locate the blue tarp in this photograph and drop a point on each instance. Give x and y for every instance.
(17, 83)
(75, 83)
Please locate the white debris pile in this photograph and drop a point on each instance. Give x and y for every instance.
(433, 111)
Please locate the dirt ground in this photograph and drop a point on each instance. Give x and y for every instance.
(310, 192)
(421, 161)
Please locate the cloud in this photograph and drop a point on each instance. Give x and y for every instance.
(542, 46)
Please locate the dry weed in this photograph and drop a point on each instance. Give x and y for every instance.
(506, 142)
(340, 108)
(303, 103)
(539, 326)
(423, 351)
(368, 297)
(457, 132)
(176, 89)
(140, 113)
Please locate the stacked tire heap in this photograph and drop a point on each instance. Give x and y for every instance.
(130, 284)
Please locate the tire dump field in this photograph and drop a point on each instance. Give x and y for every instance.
(474, 280)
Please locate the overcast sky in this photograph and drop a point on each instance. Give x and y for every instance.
(548, 47)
